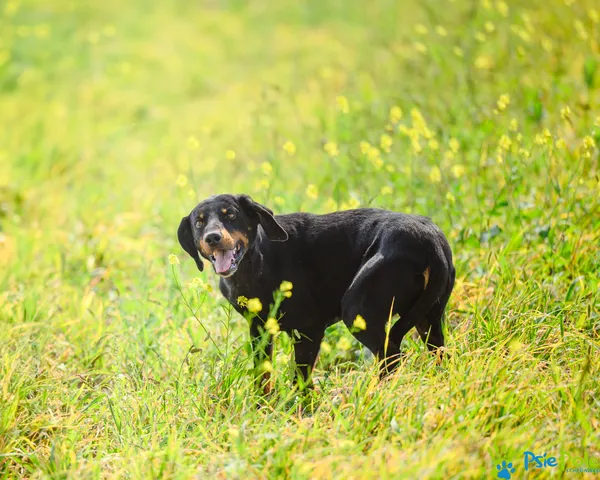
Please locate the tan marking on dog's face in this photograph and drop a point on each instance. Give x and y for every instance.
(240, 237)
(426, 276)
(223, 210)
(228, 243)
(204, 248)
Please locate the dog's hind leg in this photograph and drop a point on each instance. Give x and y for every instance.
(374, 288)
(430, 328)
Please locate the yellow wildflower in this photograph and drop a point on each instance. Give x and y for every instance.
(289, 148)
(502, 8)
(421, 29)
(330, 205)
(386, 143)
(365, 147)
(343, 344)
(588, 142)
(504, 143)
(254, 305)
(242, 301)
(489, 27)
(514, 125)
(395, 114)
(435, 174)
(350, 204)
(267, 168)
(441, 31)
(181, 181)
(454, 145)
(267, 366)
(325, 347)
(377, 163)
(547, 44)
(173, 259)
(342, 103)
(311, 191)
(416, 145)
(484, 62)
(272, 326)
(434, 144)
(229, 154)
(359, 323)
(373, 152)
(278, 201)
(503, 102)
(458, 170)
(565, 113)
(561, 144)
(386, 190)
(286, 288)
(450, 198)
(420, 47)
(332, 149)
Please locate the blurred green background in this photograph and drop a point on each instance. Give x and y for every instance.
(117, 117)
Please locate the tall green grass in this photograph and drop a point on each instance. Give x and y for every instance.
(118, 116)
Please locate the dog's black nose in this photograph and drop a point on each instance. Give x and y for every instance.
(213, 238)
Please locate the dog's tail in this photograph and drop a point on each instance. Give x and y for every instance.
(441, 280)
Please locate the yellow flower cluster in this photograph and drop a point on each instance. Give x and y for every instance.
(342, 104)
(272, 326)
(254, 305)
(289, 148)
(312, 192)
(331, 149)
(503, 102)
(419, 130)
(286, 288)
(199, 284)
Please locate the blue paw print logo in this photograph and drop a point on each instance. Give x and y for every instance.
(505, 470)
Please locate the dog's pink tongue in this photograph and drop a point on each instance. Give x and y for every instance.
(223, 259)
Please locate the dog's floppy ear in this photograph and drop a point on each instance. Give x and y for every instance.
(186, 239)
(274, 231)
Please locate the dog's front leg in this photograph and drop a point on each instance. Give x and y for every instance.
(262, 352)
(306, 349)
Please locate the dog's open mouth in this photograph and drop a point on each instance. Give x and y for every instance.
(226, 262)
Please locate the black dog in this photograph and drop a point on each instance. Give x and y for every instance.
(366, 262)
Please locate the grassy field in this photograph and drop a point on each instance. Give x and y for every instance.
(117, 117)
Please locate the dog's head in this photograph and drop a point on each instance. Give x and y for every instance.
(222, 229)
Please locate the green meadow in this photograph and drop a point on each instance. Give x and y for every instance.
(116, 118)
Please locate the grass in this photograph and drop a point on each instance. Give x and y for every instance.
(118, 116)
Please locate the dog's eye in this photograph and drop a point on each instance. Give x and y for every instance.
(231, 215)
(198, 223)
